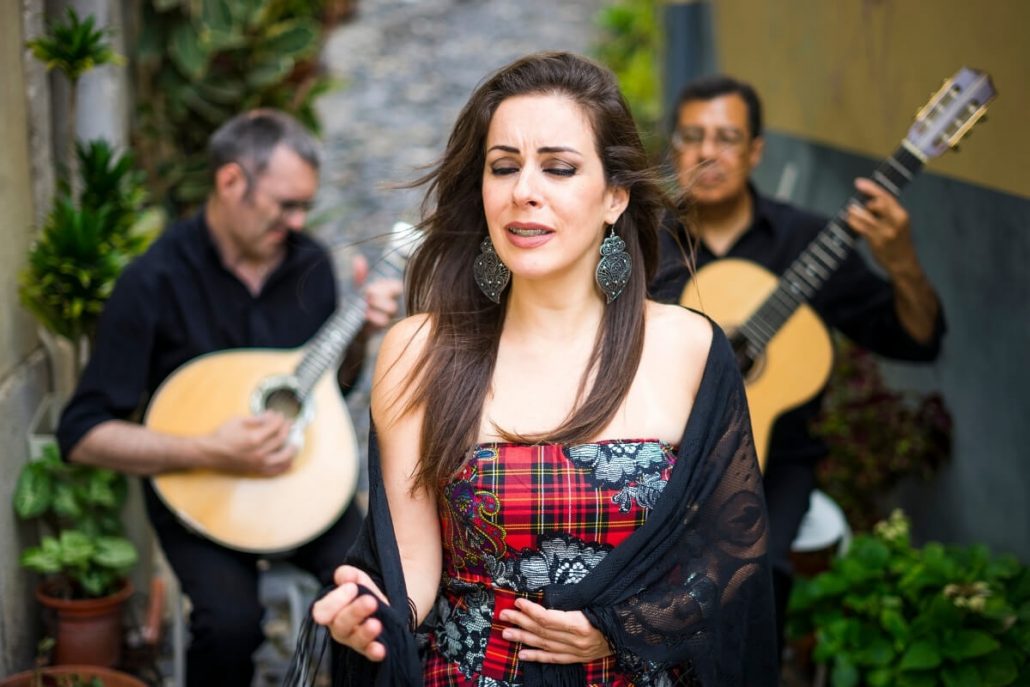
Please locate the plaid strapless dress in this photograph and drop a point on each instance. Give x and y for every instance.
(518, 518)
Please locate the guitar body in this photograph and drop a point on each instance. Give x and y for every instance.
(796, 362)
(249, 513)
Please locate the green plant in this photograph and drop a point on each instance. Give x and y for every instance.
(200, 63)
(887, 613)
(877, 436)
(97, 222)
(83, 551)
(84, 245)
(40, 678)
(73, 48)
(630, 46)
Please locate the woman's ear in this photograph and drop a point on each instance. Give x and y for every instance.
(617, 199)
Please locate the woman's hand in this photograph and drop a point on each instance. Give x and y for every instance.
(550, 636)
(348, 616)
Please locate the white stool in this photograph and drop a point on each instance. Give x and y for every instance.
(823, 526)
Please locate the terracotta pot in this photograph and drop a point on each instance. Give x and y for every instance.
(89, 631)
(110, 678)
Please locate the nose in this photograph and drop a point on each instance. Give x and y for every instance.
(295, 218)
(709, 147)
(525, 190)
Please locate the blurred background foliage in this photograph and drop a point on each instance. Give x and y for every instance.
(199, 62)
(630, 45)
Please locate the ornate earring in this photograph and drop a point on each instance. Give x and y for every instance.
(490, 273)
(614, 268)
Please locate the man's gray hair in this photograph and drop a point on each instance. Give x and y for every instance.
(249, 139)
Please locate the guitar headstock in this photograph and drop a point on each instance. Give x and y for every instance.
(951, 113)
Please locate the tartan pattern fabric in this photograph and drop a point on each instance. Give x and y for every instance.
(518, 518)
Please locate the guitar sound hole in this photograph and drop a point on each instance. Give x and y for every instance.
(750, 366)
(283, 401)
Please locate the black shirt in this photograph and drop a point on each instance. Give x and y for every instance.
(854, 300)
(176, 302)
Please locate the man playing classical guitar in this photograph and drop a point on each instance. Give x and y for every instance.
(717, 141)
(239, 274)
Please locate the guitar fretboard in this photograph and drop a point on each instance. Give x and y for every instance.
(327, 346)
(821, 258)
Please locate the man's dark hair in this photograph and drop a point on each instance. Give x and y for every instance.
(716, 85)
(249, 139)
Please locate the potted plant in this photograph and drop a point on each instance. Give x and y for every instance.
(43, 675)
(83, 556)
(888, 613)
(72, 676)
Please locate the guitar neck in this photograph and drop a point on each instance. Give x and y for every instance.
(821, 258)
(327, 346)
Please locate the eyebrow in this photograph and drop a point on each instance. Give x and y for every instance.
(544, 149)
(700, 127)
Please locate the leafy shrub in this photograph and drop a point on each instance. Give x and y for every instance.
(83, 552)
(630, 46)
(887, 613)
(84, 245)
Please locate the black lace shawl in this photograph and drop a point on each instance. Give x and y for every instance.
(689, 589)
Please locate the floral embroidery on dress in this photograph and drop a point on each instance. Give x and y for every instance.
(633, 467)
(462, 631)
(471, 526)
(560, 559)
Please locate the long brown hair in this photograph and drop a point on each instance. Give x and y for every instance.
(457, 363)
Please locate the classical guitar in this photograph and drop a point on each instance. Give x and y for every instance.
(782, 347)
(270, 514)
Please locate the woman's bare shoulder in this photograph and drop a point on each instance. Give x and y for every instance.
(407, 336)
(397, 359)
(679, 332)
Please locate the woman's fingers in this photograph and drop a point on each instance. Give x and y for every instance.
(348, 616)
(552, 636)
(326, 608)
(349, 574)
(549, 623)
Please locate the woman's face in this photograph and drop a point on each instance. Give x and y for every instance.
(544, 191)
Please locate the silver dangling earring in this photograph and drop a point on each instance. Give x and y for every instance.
(490, 273)
(614, 268)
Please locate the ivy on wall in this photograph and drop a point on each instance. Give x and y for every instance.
(200, 62)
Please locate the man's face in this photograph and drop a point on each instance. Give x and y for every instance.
(272, 204)
(714, 149)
